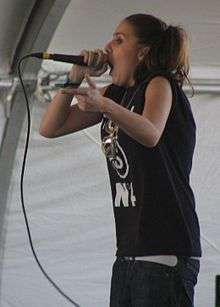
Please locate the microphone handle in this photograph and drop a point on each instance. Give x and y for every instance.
(74, 59)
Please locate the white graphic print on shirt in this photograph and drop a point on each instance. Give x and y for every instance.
(124, 191)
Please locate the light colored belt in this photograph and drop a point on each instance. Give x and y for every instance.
(170, 260)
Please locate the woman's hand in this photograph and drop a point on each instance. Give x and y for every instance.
(96, 65)
(89, 98)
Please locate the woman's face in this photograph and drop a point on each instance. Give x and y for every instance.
(123, 52)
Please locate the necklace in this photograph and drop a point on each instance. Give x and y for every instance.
(109, 142)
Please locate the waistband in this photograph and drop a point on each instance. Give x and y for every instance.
(170, 260)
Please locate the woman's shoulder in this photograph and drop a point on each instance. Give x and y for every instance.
(164, 79)
(163, 74)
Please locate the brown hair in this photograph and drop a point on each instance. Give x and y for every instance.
(169, 47)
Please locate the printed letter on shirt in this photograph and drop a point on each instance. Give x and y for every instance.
(124, 193)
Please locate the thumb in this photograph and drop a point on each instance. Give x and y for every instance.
(90, 82)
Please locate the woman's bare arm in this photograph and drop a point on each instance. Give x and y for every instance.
(61, 118)
(148, 127)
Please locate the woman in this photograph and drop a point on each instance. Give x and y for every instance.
(148, 137)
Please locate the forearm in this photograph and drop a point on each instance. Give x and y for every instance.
(56, 114)
(136, 126)
(60, 106)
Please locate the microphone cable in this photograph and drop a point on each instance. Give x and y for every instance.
(21, 188)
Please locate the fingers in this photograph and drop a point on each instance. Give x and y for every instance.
(85, 55)
(100, 58)
(94, 57)
(88, 56)
(72, 91)
(90, 82)
(82, 105)
(80, 91)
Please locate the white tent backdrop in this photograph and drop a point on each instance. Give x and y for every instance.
(90, 24)
(66, 186)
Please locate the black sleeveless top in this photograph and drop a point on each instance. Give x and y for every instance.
(153, 203)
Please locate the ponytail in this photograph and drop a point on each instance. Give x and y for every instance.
(169, 47)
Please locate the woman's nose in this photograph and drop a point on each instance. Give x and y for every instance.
(108, 48)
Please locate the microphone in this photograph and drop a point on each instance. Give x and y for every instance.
(74, 59)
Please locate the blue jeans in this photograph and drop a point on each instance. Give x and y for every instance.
(138, 283)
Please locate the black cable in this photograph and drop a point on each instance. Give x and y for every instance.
(217, 291)
(22, 194)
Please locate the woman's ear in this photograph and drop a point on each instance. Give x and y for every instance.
(143, 52)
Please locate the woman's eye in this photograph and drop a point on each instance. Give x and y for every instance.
(119, 40)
